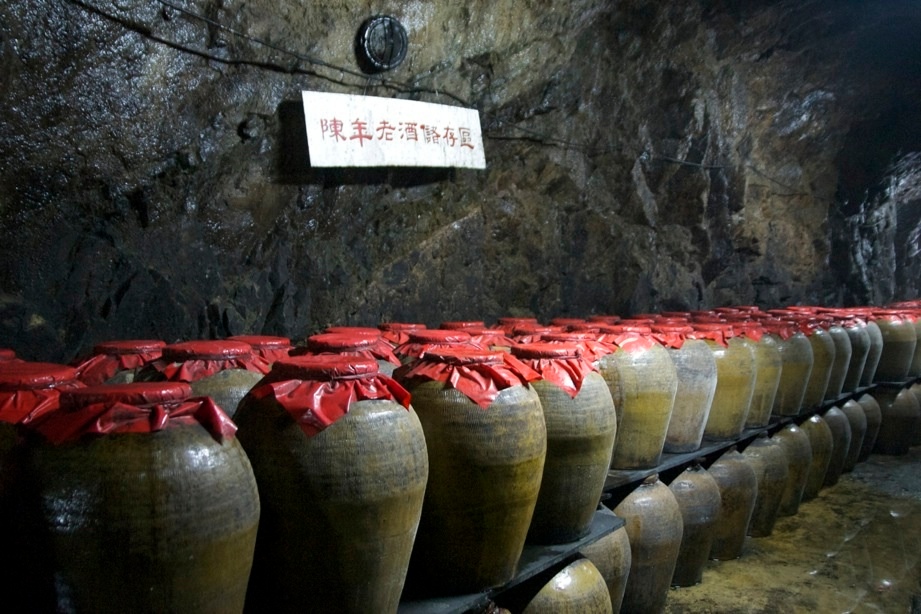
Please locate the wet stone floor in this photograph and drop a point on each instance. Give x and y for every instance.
(855, 548)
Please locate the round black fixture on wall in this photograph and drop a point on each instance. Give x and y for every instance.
(381, 44)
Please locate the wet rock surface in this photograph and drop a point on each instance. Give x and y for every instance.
(854, 548)
(641, 156)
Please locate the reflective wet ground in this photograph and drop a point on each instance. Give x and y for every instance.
(855, 548)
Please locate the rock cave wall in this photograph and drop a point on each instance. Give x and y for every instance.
(641, 156)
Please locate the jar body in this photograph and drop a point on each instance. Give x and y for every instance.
(578, 587)
(899, 341)
(768, 459)
(611, 556)
(822, 444)
(858, 422)
(840, 363)
(698, 498)
(823, 358)
(695, 368)
(738, 489)
(860, 349)
(874, 418)
(796, 369)
(643, 384)
(654, 528)
(798, 451)
(485, 474)
(125, 511)
(580, 439)
(735, 380)
(900, 415)
(914, 369)
(768, 365)
(841, 443)
(341, 507)
(876, 351)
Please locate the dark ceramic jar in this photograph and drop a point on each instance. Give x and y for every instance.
(698, 497)
(487, 442)
(738, 490)
(581, 427)
(144, 502)
(796, 366)
(798, 451)
(858, 422)
(874, 418)
(654, 527)
(841, 444)
(822, 443)
(900, 415)
(341, 463)
(899, 342)
(769, 460)
(611, 556)
(578, 587)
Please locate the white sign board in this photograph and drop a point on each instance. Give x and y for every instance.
(346, 130)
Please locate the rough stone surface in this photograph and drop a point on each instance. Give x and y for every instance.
(641, 156)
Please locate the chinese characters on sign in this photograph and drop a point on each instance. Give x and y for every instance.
(345, 130)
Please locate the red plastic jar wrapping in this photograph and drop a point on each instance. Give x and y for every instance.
(111, 357)
(350, 344)
(140, 407)
(269, 347)
(529, 333)
(560, 364)
(720, 333)
(463, 324)
(489, 338)
(508, 323)
(671, 335)
(480, 375)
(589, 343)
(603, 319)
(7, 354)
(628, 337)
(422, 341)
(193, 360)
(29, 390)
(316, 391)
(398, 332)
(567, 323)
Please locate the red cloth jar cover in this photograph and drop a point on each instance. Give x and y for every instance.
(112, 356)
(588, 342)
(269, 347)
(422, 341)
(318, 390)
(398, 332)
(359, 344)
(29, 390)
(479, 374)
(140, 407)
(561, 364)
(193, 360)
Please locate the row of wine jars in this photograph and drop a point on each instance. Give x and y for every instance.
(459, 393)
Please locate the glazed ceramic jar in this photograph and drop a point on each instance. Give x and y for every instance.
(841, 436)
(859, 336)
(487, 441)
(798, 451)
(117, 362)
(611, 556)
(222, 370)
(769, 461)
(796, 366)
(654, 527)
(581, 428)
(768, 365)
(578, 587)
(735, 380)
(144, 502)
(695, 367)
(874, 418)
(900, 416)
(857, 419)
(823, 361)
(899, 342)
(821, 441)
(698, 497)
(738, 486)
(643, 382)
(876, 348)
(341, 463)
(842, 359)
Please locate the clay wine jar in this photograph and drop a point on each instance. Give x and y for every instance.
(899, 342)
(841, 437)
(654, 526)
(735, 381)
(578, 588)
(738, 489)
(858, 422)
(796, 367)
(900, 415)
(822, 443)
(798, 451)
(698, 497)
(874, 418)
(341, 463)
(611, 556)
(769, 460)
